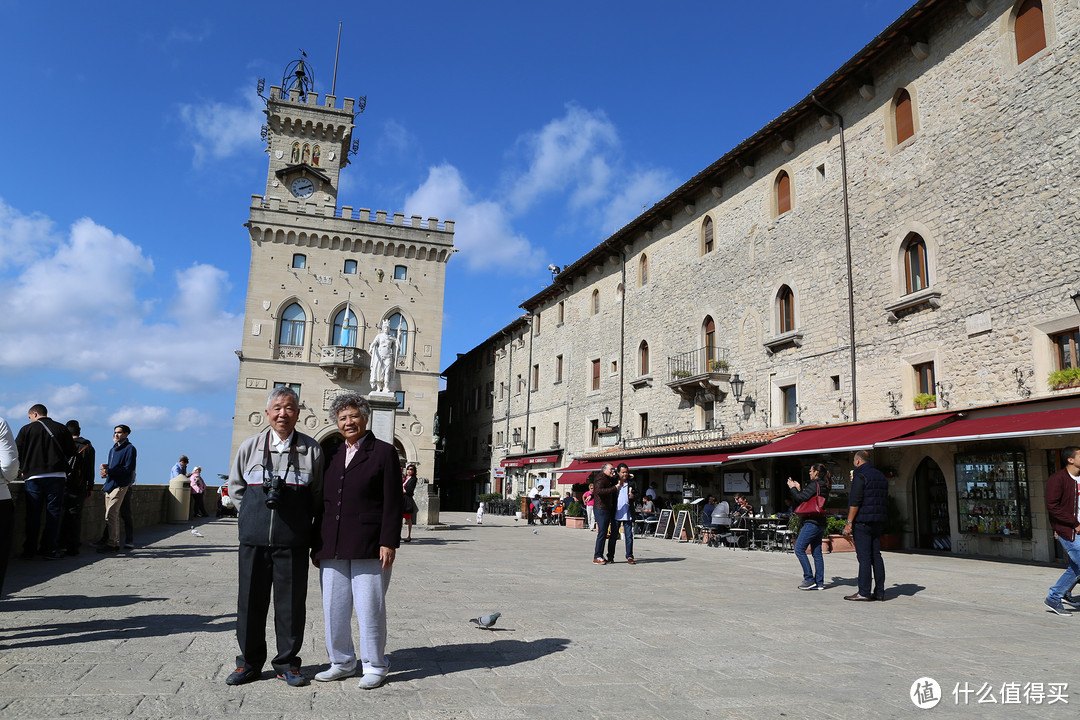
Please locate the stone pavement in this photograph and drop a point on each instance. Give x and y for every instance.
(689, 631)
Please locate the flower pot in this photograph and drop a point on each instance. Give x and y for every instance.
(575, 522)
(841, 543)
(891, 541)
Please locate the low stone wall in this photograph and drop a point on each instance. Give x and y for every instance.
(149, 506)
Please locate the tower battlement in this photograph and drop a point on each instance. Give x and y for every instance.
(347, 212)
(311, 99)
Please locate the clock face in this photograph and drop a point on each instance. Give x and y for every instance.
(301, 188)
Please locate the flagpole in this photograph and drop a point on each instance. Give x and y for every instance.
(333, 85)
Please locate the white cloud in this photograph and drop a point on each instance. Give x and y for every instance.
(395, 141)
(150, 417)
(82, 307)
(63, 403)
(482, 229)
(221, 130)
(639, 190)
(23, 237)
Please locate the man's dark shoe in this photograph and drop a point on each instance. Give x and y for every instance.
(108, 549)
(54, 555)
(1071, 602)
(858, 598)
(1056, 607)
(241, 676)
(631, 560)
(880, 597)
(294, 678)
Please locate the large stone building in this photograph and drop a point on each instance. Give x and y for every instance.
(323, 278)
(892, 261)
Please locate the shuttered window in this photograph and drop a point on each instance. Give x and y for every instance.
(905, 124)
(643, 358)
(709, 328)
(786, 300)
(783, 193)
(915, 270)
(1030, 32)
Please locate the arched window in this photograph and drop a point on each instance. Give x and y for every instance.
(643, 358)
(785, 300)
(399, 323)
(707, 236)
(350, 267)
(708, 329)
(595, 302)
(903, 117)
(346, 328)
(916, 272)
(643, 270)
(1030, 30)
(293, 321)
(299, 261)
(783, 192)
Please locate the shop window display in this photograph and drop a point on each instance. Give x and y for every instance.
(992, 490)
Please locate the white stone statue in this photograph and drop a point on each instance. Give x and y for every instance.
(383, 349)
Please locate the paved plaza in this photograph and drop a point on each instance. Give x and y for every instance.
(689, 631)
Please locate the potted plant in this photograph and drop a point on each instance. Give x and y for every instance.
(679, 374)
(837, 540)
(575, 515)
(1065, 378)
(925, 400)
(718, 366)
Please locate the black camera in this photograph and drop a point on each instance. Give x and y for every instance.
(273, 487)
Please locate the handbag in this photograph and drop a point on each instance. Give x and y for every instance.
(814, 507)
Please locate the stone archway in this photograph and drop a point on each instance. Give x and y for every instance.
(932, 531)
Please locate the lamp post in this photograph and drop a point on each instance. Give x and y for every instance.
(606, 415)
(737, 384)
(1076, 299)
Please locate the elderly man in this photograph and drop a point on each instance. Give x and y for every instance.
(605, 493)
(276, 484)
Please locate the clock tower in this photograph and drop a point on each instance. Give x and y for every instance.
(324, 277)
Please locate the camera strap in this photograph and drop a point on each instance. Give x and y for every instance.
(292, 461)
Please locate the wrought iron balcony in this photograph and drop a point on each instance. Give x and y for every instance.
(702, 369)
(344, 362)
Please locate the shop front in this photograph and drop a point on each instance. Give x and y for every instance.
(524, 472)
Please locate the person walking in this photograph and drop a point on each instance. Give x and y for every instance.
(624, 512)
(867, 512)
(409, 508)
(605, 493)
(355, 549)
(1062, 493)
(813, 526)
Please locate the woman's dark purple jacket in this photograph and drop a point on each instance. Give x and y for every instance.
(362, 503)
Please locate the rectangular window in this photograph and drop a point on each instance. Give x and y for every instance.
(924, 378)
(520, 384)
(554, 435)
(562, 308)
(992, 494)
(558, 368)
(536, 377)
(299, 261)
(490, 394)
(499, 438)
(502, 391)
(1066, 349)
(643, 425)
(295, 387)
(350, 267)
(595, 375)
(614, 367)
(536, 324)
(788, 405)
(532, 438)
(401, 272)
(400, 397)
(594, 433)
(835, 382)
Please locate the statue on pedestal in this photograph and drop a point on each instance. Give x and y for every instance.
(383, 349)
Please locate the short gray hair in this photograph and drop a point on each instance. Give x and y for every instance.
(350, 400)
(279, 391)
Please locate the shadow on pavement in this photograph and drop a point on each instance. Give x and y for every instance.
(74, 602)
(142, 626)
(421, 662)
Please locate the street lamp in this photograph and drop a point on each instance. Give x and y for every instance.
(606, 414)
(1076, 299)
(737, 384)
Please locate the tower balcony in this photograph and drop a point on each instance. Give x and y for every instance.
(702, 369)
(342, 362)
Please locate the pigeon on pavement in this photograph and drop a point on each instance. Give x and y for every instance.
(486, 621)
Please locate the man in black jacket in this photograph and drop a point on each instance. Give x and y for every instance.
(80, 485)
(867, 506)
(45, 451)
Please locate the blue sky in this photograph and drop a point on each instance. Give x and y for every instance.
(131, 144)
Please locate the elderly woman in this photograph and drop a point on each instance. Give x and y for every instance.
(361, 524)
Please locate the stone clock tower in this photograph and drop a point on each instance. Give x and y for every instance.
(323, 277)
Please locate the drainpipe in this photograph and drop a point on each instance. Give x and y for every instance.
(622, 344)
(847, 248)
(528, 385)
(509, 394)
